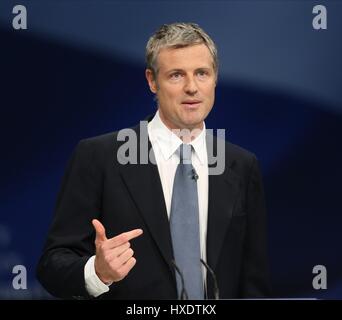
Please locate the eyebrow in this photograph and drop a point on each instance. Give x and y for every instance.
(182, 70)
(175, 70)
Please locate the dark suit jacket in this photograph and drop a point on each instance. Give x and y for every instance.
(125, 197)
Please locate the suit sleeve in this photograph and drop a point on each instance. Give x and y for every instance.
(70, 241)
(255, 277)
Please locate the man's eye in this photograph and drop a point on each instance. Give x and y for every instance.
(202, 73)
(175, 75)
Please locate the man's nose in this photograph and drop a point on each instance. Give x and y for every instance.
(190, 86)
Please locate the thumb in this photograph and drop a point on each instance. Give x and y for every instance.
(100, 231)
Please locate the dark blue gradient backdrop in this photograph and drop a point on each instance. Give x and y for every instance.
(78, 71)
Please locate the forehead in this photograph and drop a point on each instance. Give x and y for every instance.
(192, 57)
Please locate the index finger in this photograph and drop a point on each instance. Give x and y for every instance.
(124, 237)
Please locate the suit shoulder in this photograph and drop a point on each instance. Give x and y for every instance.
(239, 159)
(238, 153)
(96, 148)
(103, 140)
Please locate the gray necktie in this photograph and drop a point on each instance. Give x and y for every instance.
(184, 225)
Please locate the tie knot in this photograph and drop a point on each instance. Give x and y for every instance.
(185, 153)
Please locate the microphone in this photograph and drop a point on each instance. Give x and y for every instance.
(194, 174)
(212, 274)
(183, 294)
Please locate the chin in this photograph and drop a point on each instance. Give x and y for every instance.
(192, 124)
(192, 121)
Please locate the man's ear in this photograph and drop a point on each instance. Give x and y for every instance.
(151, 80)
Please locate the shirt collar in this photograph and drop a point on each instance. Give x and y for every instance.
(168, 142)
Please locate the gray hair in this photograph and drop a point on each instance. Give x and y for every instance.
(178, 35)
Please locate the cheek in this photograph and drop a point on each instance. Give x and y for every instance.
(211, 92)
(173, 95)
(210, 96)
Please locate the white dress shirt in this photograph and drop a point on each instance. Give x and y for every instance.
(165, 143)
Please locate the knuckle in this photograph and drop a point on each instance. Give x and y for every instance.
(101, 246)
(118, 240)
(121, 274)
(123, 238)
(114, 265)
(107, 258)
(131, 263)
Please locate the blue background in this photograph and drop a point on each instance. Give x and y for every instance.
(78, 71)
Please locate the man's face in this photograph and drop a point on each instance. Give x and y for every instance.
(185, 86)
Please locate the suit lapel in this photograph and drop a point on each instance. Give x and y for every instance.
(223, 190)
(144, 185)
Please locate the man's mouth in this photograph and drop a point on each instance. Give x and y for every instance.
(191, 103)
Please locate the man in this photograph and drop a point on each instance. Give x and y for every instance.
(139, 231)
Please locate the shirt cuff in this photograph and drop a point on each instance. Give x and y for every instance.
(93, 284)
